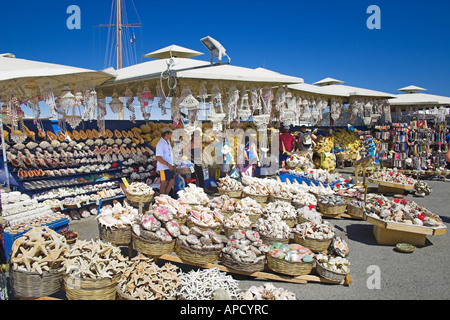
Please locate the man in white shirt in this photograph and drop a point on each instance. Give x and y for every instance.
(164, 157)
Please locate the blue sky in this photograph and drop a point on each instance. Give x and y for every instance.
(308, 39)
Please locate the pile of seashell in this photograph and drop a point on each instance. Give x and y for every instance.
(206, 284)
(245, 246)
(117, 216)
(230, 184)
(94, 260)
(332, 200)
(40, 249)
(238, 220)
(397, 210)
(205, 217)
(145, 280)
(317, 231)
(223, 203)
(422, 188)
(157, 224)
(284, 209)
(320, 189)
(178, 209)
(273, 227)
(309, 213)
(257, 188)
(392, 176)
(139, 189)
(193, 195)
(267, 292)
(197, 239)
(249, 206)
(291, 252)
(336, 264)
(339, 247)
(281, 190)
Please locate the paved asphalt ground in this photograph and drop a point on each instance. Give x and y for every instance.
(422, 275)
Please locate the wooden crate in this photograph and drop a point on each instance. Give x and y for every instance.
(391, 233)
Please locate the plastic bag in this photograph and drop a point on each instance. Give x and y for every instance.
(236, 174)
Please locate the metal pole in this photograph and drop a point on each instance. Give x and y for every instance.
(119, 46)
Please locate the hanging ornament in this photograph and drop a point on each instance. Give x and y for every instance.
(255, 96)
(216, 100)
(161, 99)
(67, 100)
(233, 99)
(101, 112)
(49, 99)
(90, 105)
(203, 95)
(244, 111)
(129, 98)
(267, 97)
(387, 111)
(115, 104)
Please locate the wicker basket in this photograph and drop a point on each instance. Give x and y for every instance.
(230, 231)
(115, 235)
(91, 289)
(354, 211)
(191, 224)
(330, 275)
(229, 262)
(313, 244)
(332, 210)
(152, 248)
(269, 241)
(289, 268)
(257, 197)
(125, 296)
(231, 194)
(33, 285)
(290, 222)
(190, 255)
(273, 198)
(184, 170)
(142, 198)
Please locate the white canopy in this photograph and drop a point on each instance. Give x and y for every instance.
(316, 90)
(410, 89)
(328, 81)
(419, 99)
(26, 75)
(358, 92)
(192, 72)
(173, 51)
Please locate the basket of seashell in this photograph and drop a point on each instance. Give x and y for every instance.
(92, 270)
(237, 221)
(139, 192)
(36, 263)
(355, 209)
(332, 268)
(273, 229)
(145, 280)
(205, 219)
(114, 223)
(332, 204)
(290, 259)
(198, 246)
(152, 247)
(260, 198)
(313, 235)
(230, 193)
(245, 252)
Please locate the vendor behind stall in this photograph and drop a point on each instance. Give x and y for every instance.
(164, 157)
(306, 140)
(287, 144)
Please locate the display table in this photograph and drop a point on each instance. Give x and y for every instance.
(392, 233)
(389, 187)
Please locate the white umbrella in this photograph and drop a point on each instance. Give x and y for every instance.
(24, 74)
(173, 51)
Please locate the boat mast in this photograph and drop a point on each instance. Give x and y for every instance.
(119, 44)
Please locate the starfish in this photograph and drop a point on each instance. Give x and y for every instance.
(26, 257)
